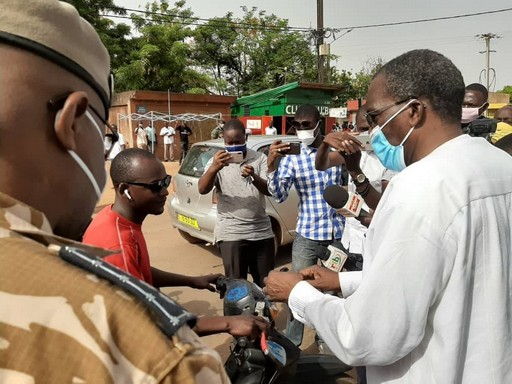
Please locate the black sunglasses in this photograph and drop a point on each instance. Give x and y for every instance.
(155, 186)
(57, 103)
(372, 115)
(301, 124)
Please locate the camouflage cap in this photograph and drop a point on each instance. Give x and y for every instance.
(54, 30)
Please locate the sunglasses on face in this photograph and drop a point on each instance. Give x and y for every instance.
(303, 124)
(155, 186)
(371, 116)
(57, 103)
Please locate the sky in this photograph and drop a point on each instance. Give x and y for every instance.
(453, 38)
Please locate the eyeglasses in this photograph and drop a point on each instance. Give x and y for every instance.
(372, 115)
(57, 103)
(302, 124)
(155, 186)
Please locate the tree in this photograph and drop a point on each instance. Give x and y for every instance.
(114, 36)
(255, 52)
(355, 85)
(161, 58)
(507, 89)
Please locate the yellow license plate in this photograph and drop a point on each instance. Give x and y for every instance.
(188, 220)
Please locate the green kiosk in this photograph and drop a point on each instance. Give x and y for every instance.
(278, 105)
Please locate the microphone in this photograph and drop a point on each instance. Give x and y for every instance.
(345, 203)
(335, 257)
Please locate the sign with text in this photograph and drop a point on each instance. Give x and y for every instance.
(292, 108)
(340, 113)
(253, 124)
(141, 109)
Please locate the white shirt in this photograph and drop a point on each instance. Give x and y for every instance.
(434, 300)
(354, 232)
(141, 136)
(270, 131)
(117, 146)
(168, 134)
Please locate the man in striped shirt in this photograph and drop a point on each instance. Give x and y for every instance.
(318, 224)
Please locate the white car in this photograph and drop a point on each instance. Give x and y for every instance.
(195, 215)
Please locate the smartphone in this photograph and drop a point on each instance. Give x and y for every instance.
(236, 157)
(294, 149)
(364, 138)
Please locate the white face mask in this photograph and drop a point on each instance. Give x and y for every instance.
(307, 136)
(81, 163)
(470, 114)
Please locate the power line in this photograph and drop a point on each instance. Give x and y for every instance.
(188, 20)
(238, 25)
(220, 24)
(428, 20)
(229, 23)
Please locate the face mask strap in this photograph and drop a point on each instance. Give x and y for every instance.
(397, 113)
(87, 172)
(91, 118)
(79, 161)
(407, 136)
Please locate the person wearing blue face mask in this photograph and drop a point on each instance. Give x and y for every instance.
(243, 232)
(434, 300)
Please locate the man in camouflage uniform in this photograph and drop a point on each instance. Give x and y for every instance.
(60, 323)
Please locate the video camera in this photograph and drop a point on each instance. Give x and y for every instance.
(481, 127)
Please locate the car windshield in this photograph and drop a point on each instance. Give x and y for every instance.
(196, 160)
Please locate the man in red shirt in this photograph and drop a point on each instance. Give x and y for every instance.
(141, 184)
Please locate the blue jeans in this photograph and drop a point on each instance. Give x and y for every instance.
(305, 253)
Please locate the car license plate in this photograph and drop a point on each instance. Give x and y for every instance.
(188, 220)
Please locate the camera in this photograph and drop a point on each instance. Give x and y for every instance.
(481, 127)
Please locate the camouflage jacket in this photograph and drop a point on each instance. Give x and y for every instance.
(61, 324)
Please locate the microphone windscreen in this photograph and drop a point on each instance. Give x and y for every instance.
(336, 196)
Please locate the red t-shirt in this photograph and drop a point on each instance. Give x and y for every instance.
(112, 231)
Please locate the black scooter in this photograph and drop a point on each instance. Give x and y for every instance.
(273, 358)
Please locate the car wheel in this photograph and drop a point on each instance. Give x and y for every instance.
(191, 239)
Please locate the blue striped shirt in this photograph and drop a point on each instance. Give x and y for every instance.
(316, 219)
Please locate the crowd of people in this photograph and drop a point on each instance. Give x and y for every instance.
(147, 139)
(429, 301)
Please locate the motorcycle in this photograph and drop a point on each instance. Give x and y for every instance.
(273, 358)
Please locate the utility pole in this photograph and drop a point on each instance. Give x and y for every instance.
(169, 103)
(487, 37)
(320, 38)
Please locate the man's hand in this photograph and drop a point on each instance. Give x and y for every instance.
(220, 160)
(247, 170)
(205, 282)
(321, 278)
(348, 146)
(277, 150)
(278, 285)
(250, 326)
(343, 142)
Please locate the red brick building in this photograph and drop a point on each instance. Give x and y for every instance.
(142, 102)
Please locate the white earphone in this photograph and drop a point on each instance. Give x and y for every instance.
(127, 194)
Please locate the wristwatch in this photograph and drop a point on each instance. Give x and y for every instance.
(360, 179)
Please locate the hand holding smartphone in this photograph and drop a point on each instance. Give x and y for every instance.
(236, 157)
(364, 138)
(294, 149)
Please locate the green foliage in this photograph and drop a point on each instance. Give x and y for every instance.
(161, 58)
(255, 52)
(507, 89)
(114, 36)
(355, 85)
(227, 55)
